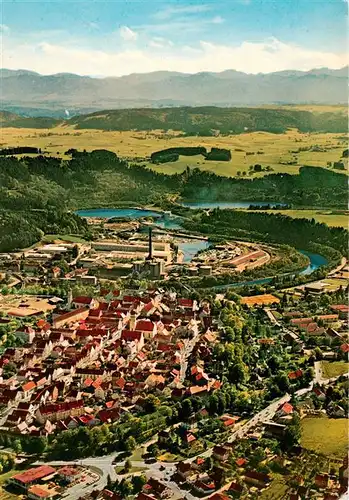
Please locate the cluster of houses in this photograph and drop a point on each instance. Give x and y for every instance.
(101, 359)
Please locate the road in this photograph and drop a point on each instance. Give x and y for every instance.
(186, 351)
(106, 466)
(338, 268)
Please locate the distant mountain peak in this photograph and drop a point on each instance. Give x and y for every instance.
(23, 89)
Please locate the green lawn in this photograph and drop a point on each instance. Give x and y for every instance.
(276, 491)
(121, 470)
(334, 368)
(328, 436)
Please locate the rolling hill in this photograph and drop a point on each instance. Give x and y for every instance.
(207, 120)
(204, 121)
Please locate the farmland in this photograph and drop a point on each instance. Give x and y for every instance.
(266, 149)
(325, 435)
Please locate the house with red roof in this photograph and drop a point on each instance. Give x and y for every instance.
(133, 336)
(258, 479)
(69, 474)
(37, 492)
(147, 327)
(156, 487)
(27, 478)
(285, 410)
(295, 375)
(84, 301)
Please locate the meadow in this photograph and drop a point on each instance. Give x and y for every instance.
(334, 368)
(328, 436)
(248, 149)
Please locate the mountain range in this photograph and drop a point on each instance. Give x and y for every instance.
(64, 94)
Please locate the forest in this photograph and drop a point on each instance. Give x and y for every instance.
(274, 228)
(21, 229)
(100, 179)
(206, 120)
(55, 186)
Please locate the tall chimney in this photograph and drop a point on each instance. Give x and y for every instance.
(150, 255)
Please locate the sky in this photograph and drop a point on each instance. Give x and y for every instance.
(117, 37)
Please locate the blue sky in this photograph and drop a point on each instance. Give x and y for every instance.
(113, 38)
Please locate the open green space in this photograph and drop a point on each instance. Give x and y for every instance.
(328, 436)
(334, 368)
(4, 477)
(267, 149)
(276, 491)
(50, 238)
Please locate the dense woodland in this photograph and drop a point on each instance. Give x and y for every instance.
(100, 178)
(206, 120)
(21, 229)
(274, 228)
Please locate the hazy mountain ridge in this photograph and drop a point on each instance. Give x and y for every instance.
(25, 91)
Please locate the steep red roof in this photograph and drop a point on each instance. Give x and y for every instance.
(131, 335)
(82, 300)
(144, 325)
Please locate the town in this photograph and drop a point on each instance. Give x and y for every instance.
(151, 392)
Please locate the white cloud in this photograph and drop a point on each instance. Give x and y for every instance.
(4, 28)
(158, 42)
(93, 25)
(251, 57)
(127, 34)
(217, 20)
(172, 11)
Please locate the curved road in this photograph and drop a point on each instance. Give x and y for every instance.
(106, 464)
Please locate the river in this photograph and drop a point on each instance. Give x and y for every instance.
(190, 248)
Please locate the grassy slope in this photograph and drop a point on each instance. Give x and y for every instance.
(273, 148)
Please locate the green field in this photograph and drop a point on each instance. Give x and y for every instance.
(276, 491)
(50, 238)
(331, 218)
(5, 495)
(334, 368)
(328, 436)
(268, 149)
